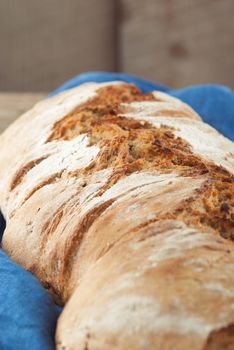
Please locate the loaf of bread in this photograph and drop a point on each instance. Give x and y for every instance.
(121, 203)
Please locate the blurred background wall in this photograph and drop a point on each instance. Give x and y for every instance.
(174, 42)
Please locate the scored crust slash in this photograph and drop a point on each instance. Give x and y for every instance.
(121, 203)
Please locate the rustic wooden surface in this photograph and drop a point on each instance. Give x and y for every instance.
(178, 42)
(12, 105)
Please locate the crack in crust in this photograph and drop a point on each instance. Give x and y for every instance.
(18, 177)
(128, 145)
(221, 339)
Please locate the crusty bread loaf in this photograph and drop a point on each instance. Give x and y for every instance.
(121, 203)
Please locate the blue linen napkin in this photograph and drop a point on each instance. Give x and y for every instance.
(27, 313)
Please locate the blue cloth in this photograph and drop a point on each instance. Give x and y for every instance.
(27, 313)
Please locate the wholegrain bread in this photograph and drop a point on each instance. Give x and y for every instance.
(121, 203)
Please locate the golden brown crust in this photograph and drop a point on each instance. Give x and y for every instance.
(109, 169)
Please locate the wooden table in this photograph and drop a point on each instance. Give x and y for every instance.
(12, 105)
